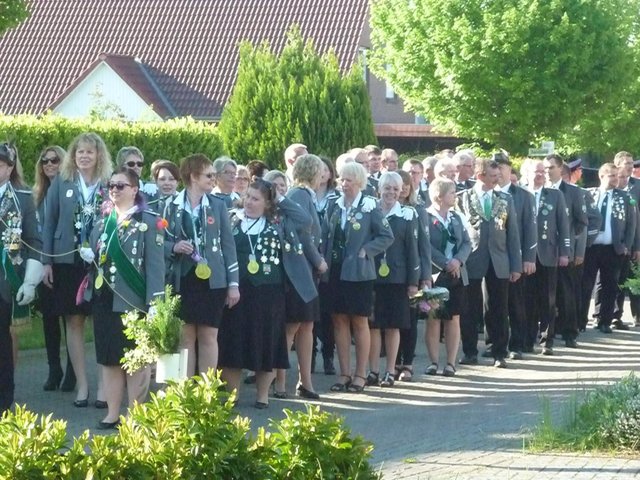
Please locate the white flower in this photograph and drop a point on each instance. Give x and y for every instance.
(368, 204)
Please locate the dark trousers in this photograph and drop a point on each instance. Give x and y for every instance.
(323, 330)
(490, 299)
(634, 300)
(6, 357)
(603, 259)
(578, 272)
(541, 304)
(569, 300)
(50, 327)
(517, 314)
(408, 340)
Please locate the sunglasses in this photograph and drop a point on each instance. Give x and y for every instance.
(118, 186)
(132, 164)
(47, 161)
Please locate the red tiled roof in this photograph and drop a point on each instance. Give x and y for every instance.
(189, 48)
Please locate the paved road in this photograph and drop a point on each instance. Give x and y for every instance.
(470, 426)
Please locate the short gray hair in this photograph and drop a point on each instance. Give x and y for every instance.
(440, 187)
(356, 171)
(389, 178)
(220, 163)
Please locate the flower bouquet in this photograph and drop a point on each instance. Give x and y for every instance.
(157, 337)
(430, 300)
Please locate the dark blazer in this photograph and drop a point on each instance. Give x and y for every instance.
(402, 255)
(553, 228)
(574, 198)
(524, 203)
(374, 236)
(20, 202)
(424, 244)
(466, 185)
(633, 189)
(311, 237)
(494, 239)
(143, 243)
(623, 220)
(463, 243)
(219, 250)
(594, 219)
(58, 235)
(158, 204)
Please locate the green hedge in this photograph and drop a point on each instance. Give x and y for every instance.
(171, 140)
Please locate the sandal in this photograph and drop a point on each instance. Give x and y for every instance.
(372, 379)
(449, 370)
(353, 388)
(406, 374)
(432, 369)
(387, 380)
(341, 387)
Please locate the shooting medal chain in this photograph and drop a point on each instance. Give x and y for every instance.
(203, 270)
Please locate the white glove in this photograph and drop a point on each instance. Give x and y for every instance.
(87, 254)
(32, 277)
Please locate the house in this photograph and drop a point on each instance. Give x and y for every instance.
(157, 59)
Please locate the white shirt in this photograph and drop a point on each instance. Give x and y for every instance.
(605, 236)
(448, 249)
(345, 211)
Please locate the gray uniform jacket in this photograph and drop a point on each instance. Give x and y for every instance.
(158, 204)
(402, 255)
(218, 249)
(373, 234)
(424, 244)
(142, 242)
(623, 220)
(291, 220)
(524, 203)
(553, 228)
(594, 219)
(634, 192)
(58, 235)
(17, 201)
(494, 238)
(462, 242)
(311, 237)
(574, 199)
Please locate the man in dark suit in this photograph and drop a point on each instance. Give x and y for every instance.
(613, 243)
(568, 278)
(525, 210)
(495, 258)
(552, 252)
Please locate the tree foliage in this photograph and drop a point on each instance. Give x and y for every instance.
(297, 96)
(12, 12)
(506, 71)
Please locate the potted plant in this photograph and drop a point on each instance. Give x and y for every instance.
(157, 339)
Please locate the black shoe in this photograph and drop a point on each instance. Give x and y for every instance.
(571, 343)
(547, 351)
(69, 381)
(605, 329)
(469, 360)
(329, 369)
(500, 363)
(305, 393)
(53, 380)
(619, 325)
(387, 380)
(261, 405)
(108, 425)
(101, 404)
(373, 379)
(81, 403)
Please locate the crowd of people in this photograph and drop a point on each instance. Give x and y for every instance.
(321, 256)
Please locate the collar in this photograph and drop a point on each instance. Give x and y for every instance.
(356, 201)
(479, 191)
(395, 210)
(3, 189)
(432, 210)
(181, 197)
(556, 185)
(504, 189)
(251, 226)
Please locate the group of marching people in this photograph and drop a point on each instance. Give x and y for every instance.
(322, 255)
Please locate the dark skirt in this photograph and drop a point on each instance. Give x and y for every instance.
(457, 290)
(66, 281)
(391, 306)
(299, 311)
(199, 304)
(349, 298)
(252, 334)
(108, 331)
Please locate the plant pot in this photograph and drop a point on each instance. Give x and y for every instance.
(172, 366)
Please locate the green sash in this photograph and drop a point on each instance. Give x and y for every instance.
(19, 311)
(129, 274)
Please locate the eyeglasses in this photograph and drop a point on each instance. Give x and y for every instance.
(118, 186)
(231, 174)
(210, 176)
(47, 161)
(133, 163)
(243, 179)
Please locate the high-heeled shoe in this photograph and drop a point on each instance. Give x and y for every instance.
(84, 403)
(53, 380)
(69, 381)
(306, 393)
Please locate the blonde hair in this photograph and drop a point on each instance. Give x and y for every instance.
(306, 169)
(104, 168)
(357, 171)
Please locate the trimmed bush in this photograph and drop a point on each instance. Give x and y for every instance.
(171, 140)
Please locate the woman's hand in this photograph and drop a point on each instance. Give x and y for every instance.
(412, 291)
(183, 247)
(362, 253)
(233, 296)
(47, 278)
(323, 267)
(453, 267)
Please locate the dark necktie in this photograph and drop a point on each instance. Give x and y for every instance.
(603, 211)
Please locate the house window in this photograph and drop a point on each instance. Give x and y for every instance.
(389, 93)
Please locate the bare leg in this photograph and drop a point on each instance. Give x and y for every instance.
(207, 348)
(391, 343)
(304, 350)
(432, 339)
(263, 382)
(452, 338)
(281, 373)
(75, 345)
(374, 350)
(114, 383)
(138, 386)
(363, 343)
(342, 334)
(189, 342)
(231, 376)
(100, 376)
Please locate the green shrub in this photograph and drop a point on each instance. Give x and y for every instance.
(172, 139)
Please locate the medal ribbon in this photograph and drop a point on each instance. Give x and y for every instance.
(19, 311)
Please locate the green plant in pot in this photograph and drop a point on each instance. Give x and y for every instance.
(157, 338)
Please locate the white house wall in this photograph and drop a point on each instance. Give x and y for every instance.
(113, 91)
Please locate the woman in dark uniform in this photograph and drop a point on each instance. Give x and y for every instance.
(127, 246)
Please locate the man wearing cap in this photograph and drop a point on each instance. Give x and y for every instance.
(495, 258)
(21, 266)
(523, 202)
